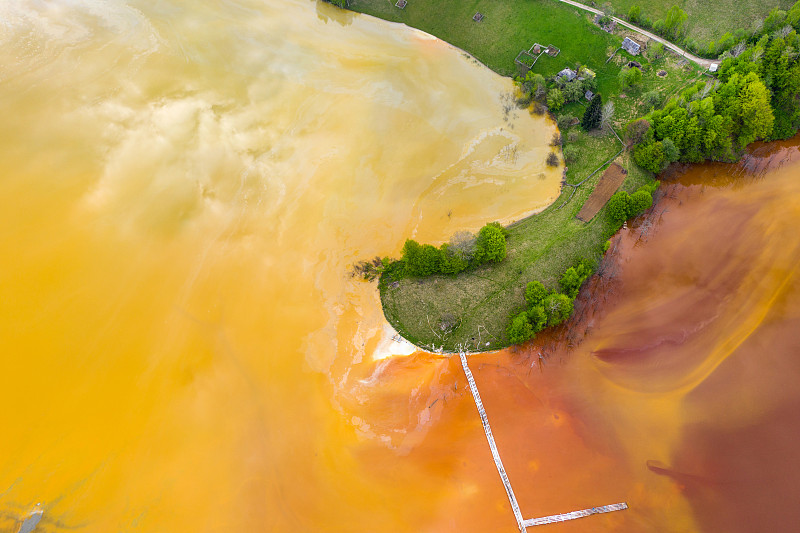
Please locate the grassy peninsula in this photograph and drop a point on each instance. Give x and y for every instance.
(478, 304)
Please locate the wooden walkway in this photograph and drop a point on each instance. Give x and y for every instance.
(609, 182)
(574, 514)
(488, 430)
(521, 523)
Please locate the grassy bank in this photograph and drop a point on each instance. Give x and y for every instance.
(707, 21)
(543, 246)
(508, 27)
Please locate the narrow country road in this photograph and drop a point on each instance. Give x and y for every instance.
(699, 60)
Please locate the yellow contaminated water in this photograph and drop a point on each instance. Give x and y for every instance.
(183, 186)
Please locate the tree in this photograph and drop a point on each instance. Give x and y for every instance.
(537, 318)
(640, 202)
(775, 19)
(671, 153)
(570, 282)
(421, 260)
(552, 159)
(756, 112)
(636, 130)
(555, 99)
(463, 242)
(657, 50)
(411, 256)
(558, 308)
(652, 99)
(490, 245)
(535, 85)
(630, 77)
(564, 121)
(430, 260)
(675, 24)
(619, 206)
(607, 114)
(535, 293)
(453, 260)
(593, 114)
(574, 277)
(793, 16)
(573, 91)
(634, 13)
(650, 156)
(520, 330)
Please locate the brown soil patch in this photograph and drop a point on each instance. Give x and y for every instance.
(609, 182)
(662, 73)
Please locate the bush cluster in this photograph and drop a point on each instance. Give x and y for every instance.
(623, 206)
(464, 250)
(548, 308)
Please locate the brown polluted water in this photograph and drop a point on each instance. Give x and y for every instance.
(183, 189)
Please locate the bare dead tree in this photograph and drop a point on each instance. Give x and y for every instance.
(607, 113)
(758, 25)
(738, 49)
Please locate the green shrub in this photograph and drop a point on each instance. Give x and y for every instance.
(535, 293)
(564, 121)
(619, 206)
(571, 153)
(652, 99)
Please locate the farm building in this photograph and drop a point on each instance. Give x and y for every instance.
(631, 46)
(567, 74)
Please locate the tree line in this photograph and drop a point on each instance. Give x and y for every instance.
(464, 250)
(755, 97)
(548, 308)
(674, 26)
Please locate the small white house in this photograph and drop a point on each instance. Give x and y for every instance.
(713, 67)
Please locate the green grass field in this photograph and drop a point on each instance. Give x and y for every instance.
(508, 27)
(708, 20)
(540, 247)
